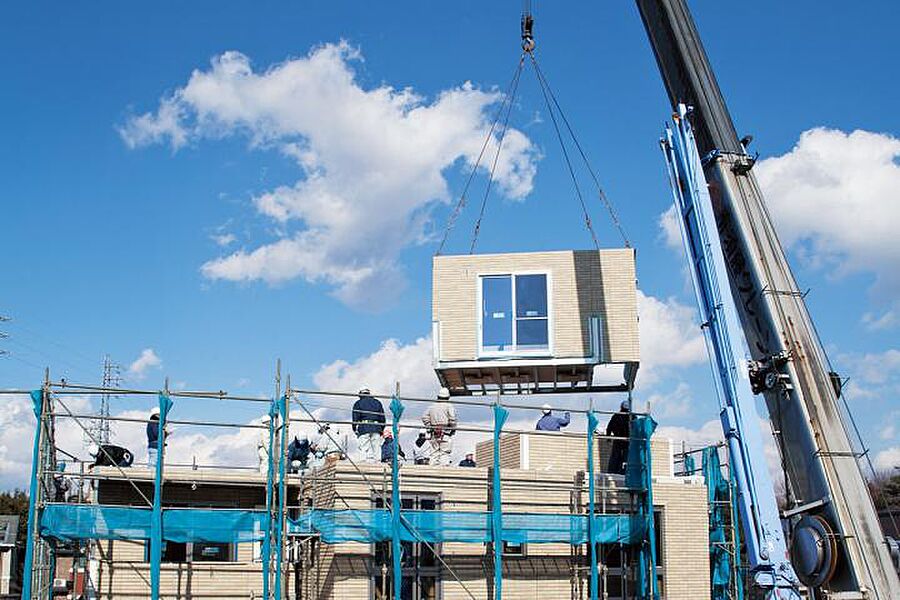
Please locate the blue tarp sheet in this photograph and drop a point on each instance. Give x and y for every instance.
(69, 522)
(474, 527)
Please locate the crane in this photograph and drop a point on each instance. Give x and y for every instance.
(749, 298)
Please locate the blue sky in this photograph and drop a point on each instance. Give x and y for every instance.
(109, 221)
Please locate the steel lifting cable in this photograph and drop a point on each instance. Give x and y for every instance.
(451, 222)
(502, 136)
(600, 192)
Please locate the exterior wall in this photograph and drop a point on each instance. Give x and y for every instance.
(685, 537)
(346, 571)
(565, 453)
(583, 284)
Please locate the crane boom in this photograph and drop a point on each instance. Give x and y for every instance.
(837, 546)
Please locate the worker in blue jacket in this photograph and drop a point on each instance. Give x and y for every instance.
(550, 422)
(368, 424)
(387, 448)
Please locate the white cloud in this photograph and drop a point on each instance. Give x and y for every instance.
(888, 459)
(874, 367)
(152, 128)
(673, 404)
(224, 239)
(408, 364)
(874, 322)
(147, 360)
(834, 199)
(372, 163)
(706, 435)
(669, 230)
(670, 338)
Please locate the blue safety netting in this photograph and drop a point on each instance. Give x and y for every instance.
(718, 495)
(434, 526)
(219, 525)
(70, 522)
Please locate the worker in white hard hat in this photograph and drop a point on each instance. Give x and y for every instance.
(421, 448)
(440, 422)
(550, 422)
(368, 425)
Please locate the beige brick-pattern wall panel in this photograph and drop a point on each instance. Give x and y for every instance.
(583, 283)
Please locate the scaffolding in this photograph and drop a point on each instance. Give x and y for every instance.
(288, 532)
(727, 572)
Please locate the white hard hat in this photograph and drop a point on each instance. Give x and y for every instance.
(154, 411)
(546, 408)
(423, 432)
(364, 391)
(444, 393)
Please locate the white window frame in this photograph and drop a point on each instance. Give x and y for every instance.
(515, 351)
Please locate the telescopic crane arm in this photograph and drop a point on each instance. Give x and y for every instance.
(836, 544)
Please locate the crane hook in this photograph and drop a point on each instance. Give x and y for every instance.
(527, 32)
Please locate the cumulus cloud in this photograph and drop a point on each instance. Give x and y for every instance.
(224, 239)
(834, 200)
(143, 363)
(884, 321)
(408, 364)
(673, 404)
(670, 338)
(371, 163)
(669, 230)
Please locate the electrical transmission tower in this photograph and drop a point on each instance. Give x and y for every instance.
(112, 378)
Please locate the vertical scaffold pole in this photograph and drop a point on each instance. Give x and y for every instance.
(500, 415)
(165, 403)
(282, 496)
(37, 402)
(396, 411)
(592, 428)
(270, 476)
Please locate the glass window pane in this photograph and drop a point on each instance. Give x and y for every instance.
(211, 552)
(531, 296)
(496, 317)
(532, 334)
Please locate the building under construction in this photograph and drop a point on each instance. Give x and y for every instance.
(540, 515)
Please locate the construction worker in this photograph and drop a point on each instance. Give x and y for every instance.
(387, 448)
(153, 437)
(550, 422)
(298, 453)
(468, 461)
(619, 427)
(368, 424)
(330, 445)
(440, 422)
(421, 449)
